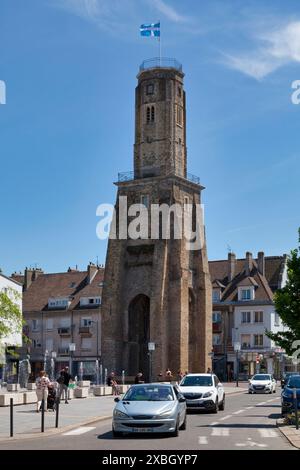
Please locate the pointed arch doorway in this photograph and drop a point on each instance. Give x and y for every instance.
(139, 335)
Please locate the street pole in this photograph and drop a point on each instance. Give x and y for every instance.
(237, 368)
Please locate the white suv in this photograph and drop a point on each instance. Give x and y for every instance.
(203, 391)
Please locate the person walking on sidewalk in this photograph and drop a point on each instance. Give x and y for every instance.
(42, 383)
(63, 381)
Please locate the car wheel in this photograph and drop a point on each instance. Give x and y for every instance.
(250, 393)
(270, 392)
(222, 404)
(215, 410)
(274, 391)
(176, 432)
(183, 426)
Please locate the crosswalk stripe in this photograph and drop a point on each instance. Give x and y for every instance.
(220, 432)
(78, 431)
(262, 403)
(203, 440)
(268, 433)
(238, 412)
(213, 424)
(249, 407)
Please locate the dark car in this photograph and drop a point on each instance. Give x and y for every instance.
(286, 377)
(287, 395)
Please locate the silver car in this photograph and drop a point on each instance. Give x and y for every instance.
(150, 408)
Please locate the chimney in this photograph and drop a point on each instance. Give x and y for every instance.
(248, 263)
(261, 262)
(92, 271)
(30, 275)
(231, 266)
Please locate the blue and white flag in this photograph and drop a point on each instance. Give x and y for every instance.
(152, 29)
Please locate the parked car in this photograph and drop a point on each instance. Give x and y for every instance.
(150, 408)
(262, 383)
(286, 377)
(287, 400)
(203, 391)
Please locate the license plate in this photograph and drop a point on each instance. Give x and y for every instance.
(142, 430)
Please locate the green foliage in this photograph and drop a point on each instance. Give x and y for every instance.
(10, 313)
(287, 304)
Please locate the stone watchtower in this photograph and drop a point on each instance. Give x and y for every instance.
(157, 290)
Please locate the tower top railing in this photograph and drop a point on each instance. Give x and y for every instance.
(161, 62)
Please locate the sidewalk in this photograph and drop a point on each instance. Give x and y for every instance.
(79, 412)
(290, 432)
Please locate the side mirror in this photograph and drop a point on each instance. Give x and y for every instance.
(117, 399)
(181, 399)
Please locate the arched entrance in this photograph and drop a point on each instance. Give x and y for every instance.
(139, 335)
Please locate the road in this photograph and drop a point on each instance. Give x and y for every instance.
(248, 422)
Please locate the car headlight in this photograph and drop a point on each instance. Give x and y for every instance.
(208, 394)
(120, 414)
(165, 414)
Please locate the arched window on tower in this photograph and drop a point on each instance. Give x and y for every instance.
(152, 114)
(148, 114)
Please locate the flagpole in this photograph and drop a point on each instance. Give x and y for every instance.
(159, 40)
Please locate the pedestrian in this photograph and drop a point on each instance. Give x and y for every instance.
(112, 382)
(42, 383)
(168, 375)
(208, 370)
(63, 381)
(139, 378)
(180, 375)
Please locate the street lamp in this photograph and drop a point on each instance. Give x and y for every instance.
(151, 348)
(72, 348)
(237, 348)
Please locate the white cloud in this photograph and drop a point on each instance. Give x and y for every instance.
(168, 11)
(275, 49)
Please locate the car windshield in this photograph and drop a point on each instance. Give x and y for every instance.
(294, 381)
(149, 393)
(261, 377)
(197, 381)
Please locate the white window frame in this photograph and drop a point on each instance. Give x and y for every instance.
(243, 342)
(261, 312)
(86, 321)
(246, 314)
(260, 344)
(35, 324)
(49, 324)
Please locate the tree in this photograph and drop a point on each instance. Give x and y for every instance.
(287, 304)
(10, 313)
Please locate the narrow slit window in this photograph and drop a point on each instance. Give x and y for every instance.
(152, 114)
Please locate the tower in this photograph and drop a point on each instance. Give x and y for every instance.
(155, 289)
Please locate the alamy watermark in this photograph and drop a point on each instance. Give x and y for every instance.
(156, 222)
(295, 98)
(2, 92)
(296, 353)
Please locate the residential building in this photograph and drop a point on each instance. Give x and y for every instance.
(61, 309)
(9, 343)
(243, 310)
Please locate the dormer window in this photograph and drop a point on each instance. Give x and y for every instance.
(216, 295)
(60, 303)
(246, 293)
(90, 301)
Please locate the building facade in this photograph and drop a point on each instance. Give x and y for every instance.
(60, 310)
(8, 344)
(156, 291)
(243, 310)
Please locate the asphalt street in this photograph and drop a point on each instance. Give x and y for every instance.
(248, 422)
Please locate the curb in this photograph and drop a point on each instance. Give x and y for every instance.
(295, 441)
(54, 431)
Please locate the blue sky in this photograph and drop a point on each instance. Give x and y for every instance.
(67, 127)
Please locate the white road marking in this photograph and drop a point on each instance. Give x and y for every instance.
(225, 417)
(268, 433)
(249, 407)
(262, 403)
(214, 423)
(203, 440)
(250, 443)
(220, 432)
(78, 431)
(238, 412)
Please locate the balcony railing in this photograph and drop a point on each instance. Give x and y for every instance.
(85, 330)
(161, 62)
(64, 331)
(131, 175)
(63, 351)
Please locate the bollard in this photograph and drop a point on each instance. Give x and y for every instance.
(43, 416)
(11, 417)
(296, 407)
(57, 412)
